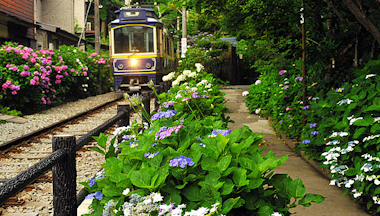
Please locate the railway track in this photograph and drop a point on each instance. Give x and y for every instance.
(37, 198)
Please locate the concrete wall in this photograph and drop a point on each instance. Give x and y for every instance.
(79, 13)
(59, 13)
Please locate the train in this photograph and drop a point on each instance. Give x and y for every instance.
(141, 49)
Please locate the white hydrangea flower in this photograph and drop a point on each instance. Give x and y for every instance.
(186, 72)
(377, 182)
(258, 82)
(199, 66)
(193, 75)
(370, 75)
(245, 93)
(276, 214)
(175, 83)
(126, 191)
(257, 111)
(157, 197)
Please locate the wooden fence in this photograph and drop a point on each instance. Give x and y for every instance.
(62, 162)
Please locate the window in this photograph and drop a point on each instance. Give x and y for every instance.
(133, 39)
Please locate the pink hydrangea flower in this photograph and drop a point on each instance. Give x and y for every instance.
(33, 60)
(14, 92)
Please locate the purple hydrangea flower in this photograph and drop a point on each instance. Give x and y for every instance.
(164, 132)
(224, 132)
(314, 132)
(306, 141)
(299, 78)
(305, 107)
(204, 96)
(282, 72)
(164, 114)
(181, 161)
(313, 125)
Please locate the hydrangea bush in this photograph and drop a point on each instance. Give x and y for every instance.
(189, 161)
(32, 79)
(344, 135)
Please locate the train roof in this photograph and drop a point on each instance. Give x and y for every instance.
(135, 15)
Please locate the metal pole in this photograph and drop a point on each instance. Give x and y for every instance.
(184, 33)
(304, 75)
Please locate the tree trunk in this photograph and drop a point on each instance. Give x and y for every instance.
(363, 19)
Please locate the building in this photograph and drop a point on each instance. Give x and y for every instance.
(17, 22)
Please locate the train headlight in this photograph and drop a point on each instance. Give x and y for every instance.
(120, 66)
(134, 62)
(148, 65)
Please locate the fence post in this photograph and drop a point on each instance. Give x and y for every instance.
(124, 121)
(146, 103)
(64, 177)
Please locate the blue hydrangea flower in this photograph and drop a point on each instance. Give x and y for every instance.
(91, 182)
(97, 195)
(312, 125)
(307, 141)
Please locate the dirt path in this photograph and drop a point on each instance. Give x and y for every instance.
(335, 204)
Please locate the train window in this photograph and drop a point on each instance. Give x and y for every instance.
(133, 39)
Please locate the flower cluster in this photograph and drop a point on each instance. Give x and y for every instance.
(181, 161)
(164, 114)
(215, 132)
(164, 131)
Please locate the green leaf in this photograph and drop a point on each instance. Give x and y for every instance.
(173, 198)
(97, 150)
(359, 132)
(296, 188)
(255, 183)
(228, 204)
(223, 163)
(375, 128)
(373, 108)
(362, 122)
(240, 177)
(102, 140)
(208, 164)
(228, 187)
(350, 172)
(308, 198)
(265, 211)
(193, 193)
(212, 178)
(141, 179)
(111, 190)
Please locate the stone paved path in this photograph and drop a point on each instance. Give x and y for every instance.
(335, 204)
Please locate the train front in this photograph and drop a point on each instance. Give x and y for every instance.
(133, 48)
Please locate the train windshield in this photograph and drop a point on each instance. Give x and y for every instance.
(133, 39)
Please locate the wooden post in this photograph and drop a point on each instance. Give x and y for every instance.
(124, 121)
(64, 177)
(146, 103)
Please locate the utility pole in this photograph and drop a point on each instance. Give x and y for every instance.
(97, 27)
(304, 75)
(97, 42)
(184, 33)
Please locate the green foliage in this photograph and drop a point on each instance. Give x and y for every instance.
(189, 157)
(35, 79)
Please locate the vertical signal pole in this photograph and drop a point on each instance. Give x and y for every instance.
(184, 33)
(303, 63)
(178, 37)
(97, 42)
(97, 27)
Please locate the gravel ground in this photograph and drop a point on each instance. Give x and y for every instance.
(9, 131)
(39, 200)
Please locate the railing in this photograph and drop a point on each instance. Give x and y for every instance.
(62, 162)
